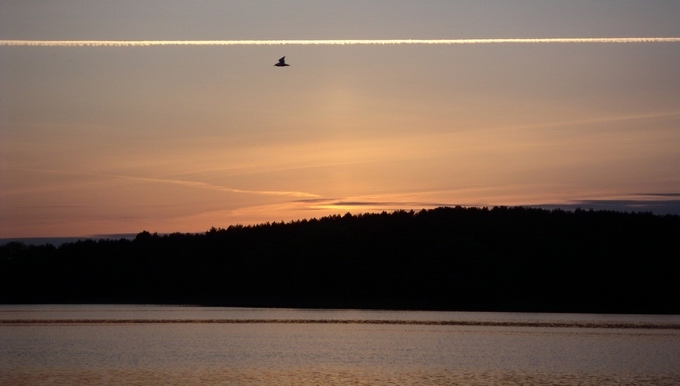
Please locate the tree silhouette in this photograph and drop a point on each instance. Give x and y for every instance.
(503, 259)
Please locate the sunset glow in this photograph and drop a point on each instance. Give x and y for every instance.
(420, 105)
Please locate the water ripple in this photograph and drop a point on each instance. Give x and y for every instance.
(566, 324)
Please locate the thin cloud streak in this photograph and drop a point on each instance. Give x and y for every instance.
(329, 203)
(206, 185)
(146, 43)
(195, 184)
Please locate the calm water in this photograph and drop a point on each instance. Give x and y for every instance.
(192, 345)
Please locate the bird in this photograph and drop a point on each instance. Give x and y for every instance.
(282, 62)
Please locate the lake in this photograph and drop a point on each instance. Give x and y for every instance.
(130, 344)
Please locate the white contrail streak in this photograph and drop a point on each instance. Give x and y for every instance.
(146, 43)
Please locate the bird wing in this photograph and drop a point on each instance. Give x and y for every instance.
(282, 60)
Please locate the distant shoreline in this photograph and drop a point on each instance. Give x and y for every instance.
(447, 259)
(57, 241)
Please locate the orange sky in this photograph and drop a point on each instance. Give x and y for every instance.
(103, 140)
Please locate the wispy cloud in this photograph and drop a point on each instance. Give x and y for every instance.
(386, 203)
(313, 208)
(332, 203)
(660, 194)
(205, 185)
(194, 184)
(145, 43)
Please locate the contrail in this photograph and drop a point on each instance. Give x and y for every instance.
(146, 43)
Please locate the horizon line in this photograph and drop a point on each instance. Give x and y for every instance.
(146, 43)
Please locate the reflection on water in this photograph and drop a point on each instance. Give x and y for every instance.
(278, 352)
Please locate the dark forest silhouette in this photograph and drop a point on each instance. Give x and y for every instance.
(500, 259)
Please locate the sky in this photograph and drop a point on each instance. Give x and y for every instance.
(98, 140)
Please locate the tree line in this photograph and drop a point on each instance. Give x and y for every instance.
(449, 258)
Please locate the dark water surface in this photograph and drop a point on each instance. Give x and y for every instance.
(192, 345)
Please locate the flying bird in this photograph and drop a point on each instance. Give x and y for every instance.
(282, 62)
